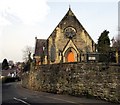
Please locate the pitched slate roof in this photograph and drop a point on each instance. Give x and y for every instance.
(40, 43)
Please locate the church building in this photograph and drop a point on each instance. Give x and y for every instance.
(69, 42)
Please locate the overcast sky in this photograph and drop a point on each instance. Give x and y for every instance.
(22, 20)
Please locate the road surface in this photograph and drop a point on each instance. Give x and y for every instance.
(13, 93)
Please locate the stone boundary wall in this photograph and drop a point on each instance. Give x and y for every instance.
(78, 79)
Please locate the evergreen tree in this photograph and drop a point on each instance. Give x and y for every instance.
(5, 64)
(103, 42)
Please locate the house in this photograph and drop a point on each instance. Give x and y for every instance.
(69, 42)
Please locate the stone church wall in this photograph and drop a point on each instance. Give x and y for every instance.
(82, 41)
(59, 40)
(78, 79)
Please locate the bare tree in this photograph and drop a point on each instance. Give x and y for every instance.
(116, 40)
(27, 52)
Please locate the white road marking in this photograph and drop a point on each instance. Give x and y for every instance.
(17, 99)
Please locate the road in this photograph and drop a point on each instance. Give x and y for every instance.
(13, 93)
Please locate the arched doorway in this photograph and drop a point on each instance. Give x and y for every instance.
(70, 57)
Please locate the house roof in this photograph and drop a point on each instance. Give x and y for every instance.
(40, 46)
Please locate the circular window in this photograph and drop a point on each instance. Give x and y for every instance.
(70, 32)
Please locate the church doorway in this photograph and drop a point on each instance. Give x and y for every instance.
(70, 57)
